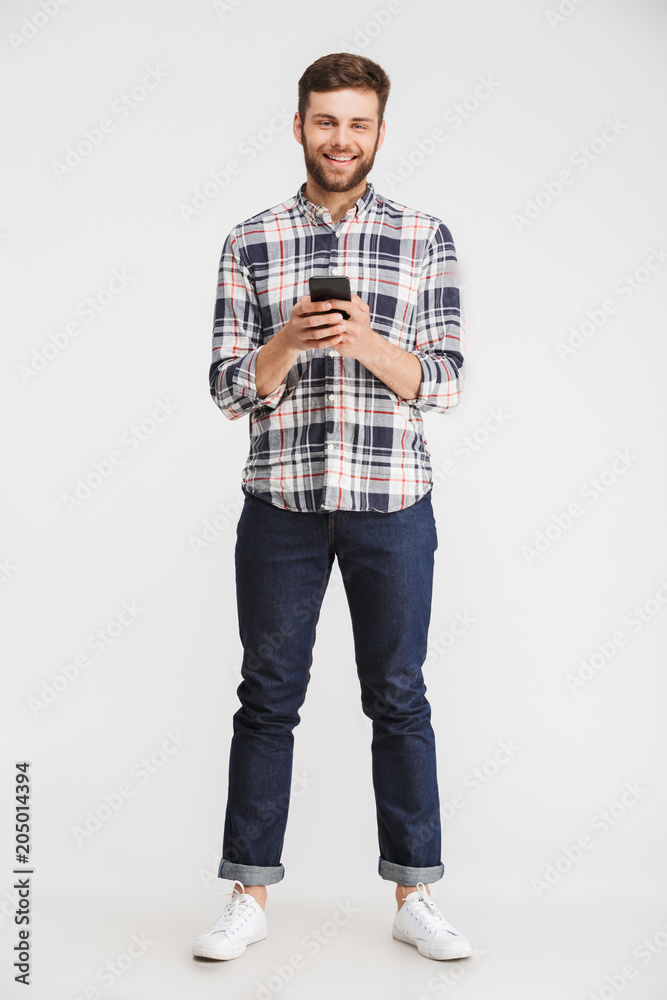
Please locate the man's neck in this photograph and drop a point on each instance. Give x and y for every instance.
(338, 202)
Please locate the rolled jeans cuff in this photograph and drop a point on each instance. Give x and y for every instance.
(406, 875)
(251, 874)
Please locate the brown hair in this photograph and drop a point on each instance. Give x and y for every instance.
(340, 70)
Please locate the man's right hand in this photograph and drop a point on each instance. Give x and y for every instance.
(310, 326)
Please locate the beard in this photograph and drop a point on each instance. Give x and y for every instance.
(329, 179)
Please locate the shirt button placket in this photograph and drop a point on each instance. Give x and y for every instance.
(329, 426)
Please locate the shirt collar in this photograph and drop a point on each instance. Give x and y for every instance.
(319, 215)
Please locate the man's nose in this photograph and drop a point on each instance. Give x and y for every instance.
(339, 137)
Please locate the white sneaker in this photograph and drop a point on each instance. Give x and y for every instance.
(419, 922)
(242, 922)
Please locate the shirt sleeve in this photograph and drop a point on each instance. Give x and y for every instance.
(440, 337)
(237, 338)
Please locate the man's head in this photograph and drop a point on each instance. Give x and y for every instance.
(340, 120)
(340, 71)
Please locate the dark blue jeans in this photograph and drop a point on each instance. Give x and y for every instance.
(283, 565)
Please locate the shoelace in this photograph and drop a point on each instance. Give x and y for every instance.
(231, 909)
(435, 919)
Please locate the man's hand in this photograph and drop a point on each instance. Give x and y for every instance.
(357, 339)
(310, 326)
(400, 370)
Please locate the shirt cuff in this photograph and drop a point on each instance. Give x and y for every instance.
(244, 382)
(431, 384)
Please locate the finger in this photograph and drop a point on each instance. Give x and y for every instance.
(323, 343)
(319, 320)
(317, 309)
(345, 306)
(360, 304)
(323, 331)
(306, 305)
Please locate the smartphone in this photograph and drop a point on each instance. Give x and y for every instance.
(331, 287)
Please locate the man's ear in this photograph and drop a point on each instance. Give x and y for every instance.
(381, 138)
(296, 128)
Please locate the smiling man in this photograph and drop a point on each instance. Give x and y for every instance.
(337, 469)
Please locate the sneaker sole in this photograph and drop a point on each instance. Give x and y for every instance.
(210, 951)
(457, 949)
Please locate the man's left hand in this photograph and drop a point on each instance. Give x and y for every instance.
(400, 370)
(358, 339)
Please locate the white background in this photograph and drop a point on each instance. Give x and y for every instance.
(219, 77)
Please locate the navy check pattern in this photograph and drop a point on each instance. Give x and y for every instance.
(333, 436)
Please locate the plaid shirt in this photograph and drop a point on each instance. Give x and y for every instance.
(332, 436)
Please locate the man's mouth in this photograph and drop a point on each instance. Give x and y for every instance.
(342, 159)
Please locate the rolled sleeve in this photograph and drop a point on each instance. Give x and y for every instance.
(439, 339)
(237, 339)
(234, 389)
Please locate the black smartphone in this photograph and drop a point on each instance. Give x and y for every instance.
(333, 286)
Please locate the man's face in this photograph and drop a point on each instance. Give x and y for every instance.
(340, 137)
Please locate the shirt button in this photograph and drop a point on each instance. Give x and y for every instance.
(334, 270)
(338, 235)
(332, 354)
(330, 447)
(331, 396)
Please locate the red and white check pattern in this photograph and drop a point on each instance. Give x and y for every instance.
(332, 436)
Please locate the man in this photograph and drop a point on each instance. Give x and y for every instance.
(338, 467)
